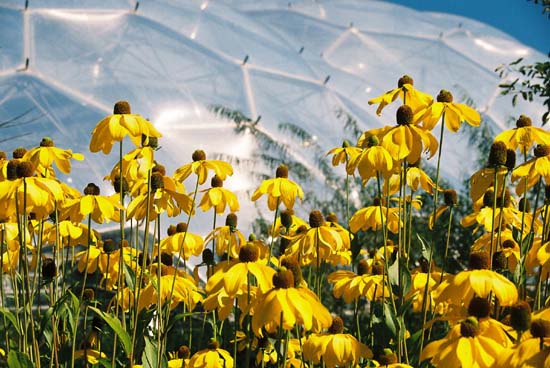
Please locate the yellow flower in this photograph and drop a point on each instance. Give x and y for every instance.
(235, 278)
(227, 238)
(42, 157)
(455, 113)
(135, 166)
(450, 200)
(405, 140)
(480, 281)
(317, 243)
(524, 135)
(483, 179)
(200, 167)
(533, 169)
(182, 242)
(335, 348)
(410, 96)
(70, 233)
(344, 154)
(464, 346)
(164, 197)
(185, 291)
(101, 208)
(352, 286)
(287, 224)
(527, 354)
(211, 357)
(279, 189)
(115, 127)
(415, 178)
(31, 194)
(372, 161)
(92, 356)
(219, 198)
(284, 306)
(373, 217)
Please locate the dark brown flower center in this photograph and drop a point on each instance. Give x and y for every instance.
(109, 246)
(332, 217)
(378, 268)
(540, 328)
(212, 344)
(25, 169)
(147, 141)
(363, 267)
(373, 141)
(3, 155)
(216, 182)
(159, 169)
(171, 230)
(231, 220)
(181, 227)
(524, 205)
(520, 316)
(198, 155)
(387, 357)
(479, 307)
(11, 169)
(469, 327)
(405, 80)
(207, 256)
(91, 189)
(249, 253)
(444, 96)
(286, 218)
(542, 150)
(498, 154)
(337, 326)
(282, 171)
(46, 142)
(510, 159)
(157, 181)
(479, 261)
(49, 269)
(117, 184)
(293, 266)
(184, 352)
(122, 107)
(450, 197)
(19, 152)
(404, 115)
(499, 260)
(316, 219)
(523, 121)
(283, 279)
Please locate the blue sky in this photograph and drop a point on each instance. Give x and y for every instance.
(521, 19)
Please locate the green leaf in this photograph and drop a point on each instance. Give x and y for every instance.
(11, 317)
(17, 359)
(426, 250)
(149, 357)
(115, 324)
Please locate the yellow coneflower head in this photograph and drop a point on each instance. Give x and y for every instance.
(469, 327)
(444, 96)
(46, 142)
(282, 171)
(405, 80)
(497, 155)
(479, 261)
(283, 279)
(122, 107)
(19, 152)
(520, 316)
(216, 182)
(540, 328)
(337, 326)
(404, 115)
(479, 307)
(316, 219)
(198, 155)
(524, 121)
(91, 189)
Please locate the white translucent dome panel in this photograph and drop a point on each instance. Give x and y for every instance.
(63, 63)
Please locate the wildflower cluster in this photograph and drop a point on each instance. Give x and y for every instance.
(173, 298)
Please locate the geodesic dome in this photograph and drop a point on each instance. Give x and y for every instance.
(64, 63)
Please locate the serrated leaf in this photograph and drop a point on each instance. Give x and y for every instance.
(115, 324)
